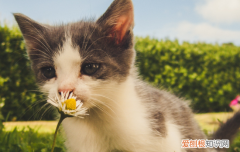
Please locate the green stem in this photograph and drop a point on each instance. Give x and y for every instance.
(62, 117)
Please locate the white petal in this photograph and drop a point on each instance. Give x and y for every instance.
(57, 98)
(80, 113)
(64, 107)
(78, 102)
(62, 96)
(70, 96)
(51, 102)
(79, 108)
(67, 94)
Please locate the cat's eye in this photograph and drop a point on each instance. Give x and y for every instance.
(48, 72)
(90, 68)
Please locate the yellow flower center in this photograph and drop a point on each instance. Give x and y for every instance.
(70, 104)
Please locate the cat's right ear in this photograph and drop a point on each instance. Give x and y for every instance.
(118, 20)
(31, 30)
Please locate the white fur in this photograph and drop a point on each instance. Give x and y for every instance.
(116, 129)
(67, 65)
(120, 121)
(173, 140)
(126, 128)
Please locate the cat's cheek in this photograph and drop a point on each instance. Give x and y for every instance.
(85, 90)
(86, 78)
(49, 87)
(82, 94)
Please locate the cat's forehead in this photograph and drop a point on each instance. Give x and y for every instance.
(77, 44)
(54, 40)
(80, 33)
(83, 34)
(68, 55)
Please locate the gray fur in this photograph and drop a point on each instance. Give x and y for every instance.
(229, 129)
(164, 106)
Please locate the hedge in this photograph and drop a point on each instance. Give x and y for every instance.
(207, 74)
(19, 97)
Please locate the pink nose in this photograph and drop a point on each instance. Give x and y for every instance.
(64, 90)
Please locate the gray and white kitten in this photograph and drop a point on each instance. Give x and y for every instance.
(96, 61)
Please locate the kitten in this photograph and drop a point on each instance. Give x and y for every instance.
(96, 61)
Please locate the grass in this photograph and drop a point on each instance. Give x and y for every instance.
(37, 136)
(29, 140)
(210, 121)
(39, 126)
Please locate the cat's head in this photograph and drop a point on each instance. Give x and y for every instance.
(88, 58)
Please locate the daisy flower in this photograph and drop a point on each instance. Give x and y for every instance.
(68, 105)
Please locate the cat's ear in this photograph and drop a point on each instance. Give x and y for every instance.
(118, 19)
(31, 30)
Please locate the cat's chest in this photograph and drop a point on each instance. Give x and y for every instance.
(85, 137)
(90, 137)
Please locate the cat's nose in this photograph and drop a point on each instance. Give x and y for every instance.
(64, 91)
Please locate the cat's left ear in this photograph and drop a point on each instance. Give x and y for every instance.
(118, 20)
(32, 31)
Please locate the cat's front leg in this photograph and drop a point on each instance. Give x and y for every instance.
(81, 137)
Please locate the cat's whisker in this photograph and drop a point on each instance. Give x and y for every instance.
(104, 90)
(32, 106)
(99, 107)
(38, 111)
(112, 89)
(103, 103)
(105, 83)
(106, 104)
(103, 97)
(44, 92)
(45, 111)
(51, 110)
(95, 105)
